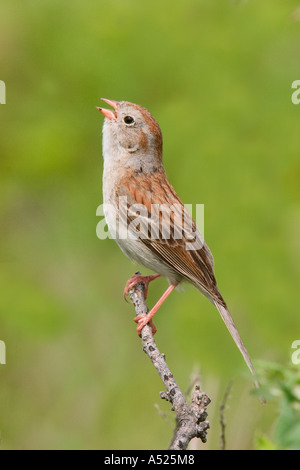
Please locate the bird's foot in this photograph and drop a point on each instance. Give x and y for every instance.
(135, 279)
(143, 320)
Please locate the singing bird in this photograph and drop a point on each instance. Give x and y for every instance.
(134, 172)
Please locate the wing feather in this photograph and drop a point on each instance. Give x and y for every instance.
(195, 265)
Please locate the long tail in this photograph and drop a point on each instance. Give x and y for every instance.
(225, 314)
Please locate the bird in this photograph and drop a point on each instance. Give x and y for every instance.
(135, 187)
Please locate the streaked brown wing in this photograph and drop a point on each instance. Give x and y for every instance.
(195, 265)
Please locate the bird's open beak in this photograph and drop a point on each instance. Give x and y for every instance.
(108, 112)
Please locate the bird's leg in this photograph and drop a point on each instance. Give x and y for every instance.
(135, 279)
(142, 320)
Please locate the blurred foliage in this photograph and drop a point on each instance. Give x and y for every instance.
(281, 383)
(217, 75)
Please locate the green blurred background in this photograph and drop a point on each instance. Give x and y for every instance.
(217, 76)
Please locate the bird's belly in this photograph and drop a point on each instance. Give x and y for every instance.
(137, 251)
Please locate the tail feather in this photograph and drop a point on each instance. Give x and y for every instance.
(228, 320)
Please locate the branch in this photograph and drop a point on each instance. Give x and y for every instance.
(222, 416)
(190, 418)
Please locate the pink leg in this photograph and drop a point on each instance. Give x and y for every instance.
(135, 279)
(142, 320)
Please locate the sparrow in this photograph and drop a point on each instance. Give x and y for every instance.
(134, 177)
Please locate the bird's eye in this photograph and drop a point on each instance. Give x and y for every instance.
(128, 120)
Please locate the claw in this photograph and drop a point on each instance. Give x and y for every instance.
(135, 279)
(142, 321)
